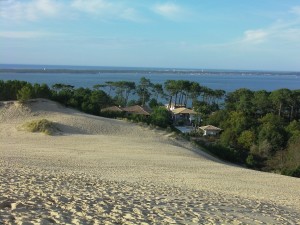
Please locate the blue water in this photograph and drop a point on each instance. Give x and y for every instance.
(215, 79)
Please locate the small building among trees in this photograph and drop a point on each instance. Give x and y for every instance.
(172, 106)
(210, 130)
(112, 109)
(137, 110)
(183, 115)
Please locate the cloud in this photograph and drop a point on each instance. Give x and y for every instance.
(93, 6)
(295, 10)
(106, 9)
(31, 10)
(131, 15)
(255, 36)
(22, 34)
(273, 34)
(169, 10)
(281, 31)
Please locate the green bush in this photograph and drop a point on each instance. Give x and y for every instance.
(161, 117)
(41, 126)
(292, 172)
(113, 114)
(25, 93)
(139, 118)
(250, 161)
(228, 154)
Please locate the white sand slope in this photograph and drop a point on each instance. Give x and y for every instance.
(102, 171)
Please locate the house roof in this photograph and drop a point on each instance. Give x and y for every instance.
(136, 109)
(112, 109)
(211, 128)
(183, 111)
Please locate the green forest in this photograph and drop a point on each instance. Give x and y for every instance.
(261, 129)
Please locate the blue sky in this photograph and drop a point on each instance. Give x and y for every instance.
(212, 34)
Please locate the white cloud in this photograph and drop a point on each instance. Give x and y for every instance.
(169, 10)
(93, 6)
(48, 7)
(104, 9)
(284, 30)
(22, 34)
(131, 15)
(295, 10)
(272, 34)
(255, 36)
(31, 10)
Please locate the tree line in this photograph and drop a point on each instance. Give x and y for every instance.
(261, 129)
(120, 93)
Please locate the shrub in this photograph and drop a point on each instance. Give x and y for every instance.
(25, 93)
(41, 126)
(113, 114)
(292, 172)
(250, 161)
(161, 117)
(228, 154)
(138, 118)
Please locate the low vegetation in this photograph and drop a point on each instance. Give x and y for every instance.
(41, 126)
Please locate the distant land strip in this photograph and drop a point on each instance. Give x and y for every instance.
(148, 71)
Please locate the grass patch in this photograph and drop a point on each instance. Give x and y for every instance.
(41, 126)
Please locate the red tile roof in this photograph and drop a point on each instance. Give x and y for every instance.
(136, 109)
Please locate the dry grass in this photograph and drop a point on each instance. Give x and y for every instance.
(41, 126)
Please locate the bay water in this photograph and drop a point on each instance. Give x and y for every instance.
(80, 76)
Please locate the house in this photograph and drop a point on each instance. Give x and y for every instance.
(138, 110)
(183, 114)
(112, 109)
(172, 106)
(210, 130)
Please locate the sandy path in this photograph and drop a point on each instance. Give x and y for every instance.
(105, 170)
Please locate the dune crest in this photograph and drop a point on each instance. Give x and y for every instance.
(70, 121)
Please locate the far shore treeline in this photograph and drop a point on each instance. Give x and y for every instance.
(261, 129)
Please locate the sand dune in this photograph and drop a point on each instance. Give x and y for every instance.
(102, 171)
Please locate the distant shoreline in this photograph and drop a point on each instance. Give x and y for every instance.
(38, 68)
(147, 71)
